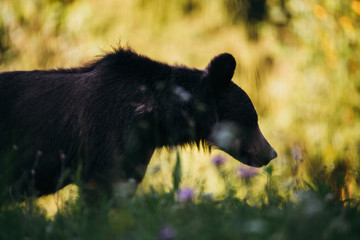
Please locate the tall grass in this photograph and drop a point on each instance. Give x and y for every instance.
(186, 213)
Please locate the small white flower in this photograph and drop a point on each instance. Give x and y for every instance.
(182, 93)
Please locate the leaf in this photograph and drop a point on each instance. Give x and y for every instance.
(177, 172)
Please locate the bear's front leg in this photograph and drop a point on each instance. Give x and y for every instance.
(117, 177)
(136, 165)
(132, 172)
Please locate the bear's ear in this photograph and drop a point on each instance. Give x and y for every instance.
(220, 71)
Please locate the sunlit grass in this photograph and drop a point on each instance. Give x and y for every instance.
(58, 201)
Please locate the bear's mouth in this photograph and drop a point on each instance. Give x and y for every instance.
(252, 161)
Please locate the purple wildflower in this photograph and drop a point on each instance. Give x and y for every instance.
(167, 233)
(297, 153)
(218, 160)
(185, 194)
(246, 172)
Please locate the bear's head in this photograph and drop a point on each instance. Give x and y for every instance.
(237, 131)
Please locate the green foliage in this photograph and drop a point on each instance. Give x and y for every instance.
(153, 216)
(177, 173)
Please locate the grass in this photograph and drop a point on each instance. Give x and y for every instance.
(186, 213)
(201, 216)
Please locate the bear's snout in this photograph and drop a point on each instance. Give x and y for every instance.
(273, 154)
(259, 151)
(264, 158)
(248, 146)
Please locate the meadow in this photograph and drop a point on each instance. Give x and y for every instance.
(299, 61)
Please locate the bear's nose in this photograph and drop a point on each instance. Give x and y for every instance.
(273, 154)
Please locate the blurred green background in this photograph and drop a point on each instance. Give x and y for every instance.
(298, 60)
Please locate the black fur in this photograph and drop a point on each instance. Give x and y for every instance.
(108, 117)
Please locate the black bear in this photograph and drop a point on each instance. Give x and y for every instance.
(109, 116)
